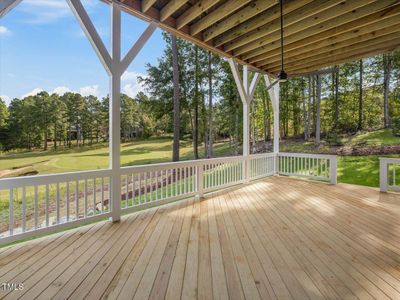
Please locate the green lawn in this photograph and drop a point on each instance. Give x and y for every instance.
(362, 170)
(383, 137)
(154, 150)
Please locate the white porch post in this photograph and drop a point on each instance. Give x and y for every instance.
(114, 67)
(273, 91)
(114, 113)
(246, 93)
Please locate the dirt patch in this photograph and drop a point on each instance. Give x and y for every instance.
(25, 171)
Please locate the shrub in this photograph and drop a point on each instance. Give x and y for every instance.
(396, 126)
(333, 138)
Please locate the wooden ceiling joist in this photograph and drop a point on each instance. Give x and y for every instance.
(387, 40)
(223, 11)
(317, 33)
(171, 7)
(321, 21)
(251, 10)
(363, 16)
(331, 42)
(344, 59)
(293, 21)
(196, 10)
(357, 42)
(258, 21)
(146, 4)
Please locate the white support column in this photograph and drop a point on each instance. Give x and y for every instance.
(114, 113)
(246, 93)
(7, 5)
(115, 67)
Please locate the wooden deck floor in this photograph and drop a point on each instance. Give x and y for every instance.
(277, 238)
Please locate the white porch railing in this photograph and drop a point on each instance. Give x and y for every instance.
(313, 166)
(389, 174)
(40, 204)
(45, 203)
(261, 165)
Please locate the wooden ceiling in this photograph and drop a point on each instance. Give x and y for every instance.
(318, 33)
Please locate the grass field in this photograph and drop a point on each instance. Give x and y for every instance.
(154, 150)
(362, 170)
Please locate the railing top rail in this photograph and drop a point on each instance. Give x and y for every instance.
(390, 160)
(269, 154)
(170, 165)
(328, 156)
(13, 182)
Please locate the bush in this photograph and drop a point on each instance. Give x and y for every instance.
(396, 126)
(333, 138)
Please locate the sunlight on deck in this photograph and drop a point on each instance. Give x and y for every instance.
(277, 238)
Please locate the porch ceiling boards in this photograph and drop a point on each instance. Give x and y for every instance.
(305, 241)
(318, 33)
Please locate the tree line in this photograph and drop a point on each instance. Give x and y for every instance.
(191, 94)
(69, 120)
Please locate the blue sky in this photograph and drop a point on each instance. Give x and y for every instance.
(42, 47)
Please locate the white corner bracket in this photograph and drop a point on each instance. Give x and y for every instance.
(115, 67)
(7, 5)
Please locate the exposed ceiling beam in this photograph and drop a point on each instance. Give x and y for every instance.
(146, 4)
(299, 19)
(259, 20)
(386, 40)
(195, 11)
(295, 56)
(223, 11)
(371, 30)
(249, 11)
(319, 72)
(133, 7)
(353, 20)
(171, 7)
(327, 18)
(343, 59)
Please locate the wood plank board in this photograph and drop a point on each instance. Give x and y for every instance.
(308, 241)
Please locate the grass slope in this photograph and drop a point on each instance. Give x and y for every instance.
(362, 170)
(151, 151)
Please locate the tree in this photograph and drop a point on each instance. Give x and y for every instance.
(196, 105)
(175, 148)
(387, 68)
(335, 81)
(4, 115)
(43, 114)
(360, 99)
(209, 147)
(318, 123)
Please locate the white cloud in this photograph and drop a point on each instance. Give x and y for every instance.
(47, 11)
(6, 99)
(89, 90)
(34, 92)
(132, 86)
(60, 90)
(4, 31)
